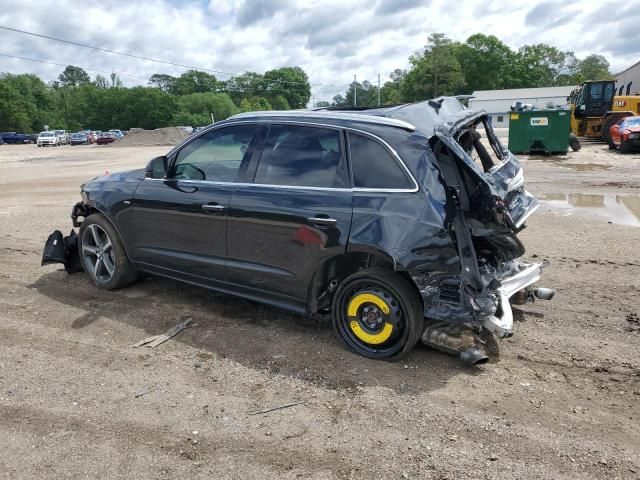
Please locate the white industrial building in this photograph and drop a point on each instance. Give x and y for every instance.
(628, 81)
(497, 103)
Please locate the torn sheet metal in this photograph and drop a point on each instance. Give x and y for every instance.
(59, 249)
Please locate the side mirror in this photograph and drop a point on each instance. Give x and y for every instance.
(156, 168)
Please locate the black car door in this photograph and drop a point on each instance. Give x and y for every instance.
(295, 215)
(180, 221)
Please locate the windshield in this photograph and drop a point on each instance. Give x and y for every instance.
(631, 122)
(46, 134)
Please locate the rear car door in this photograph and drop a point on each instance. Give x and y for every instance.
(293, 216)
(180, 221)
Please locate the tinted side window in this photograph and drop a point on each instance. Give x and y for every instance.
(373, 166)
(302, 156)
(216, 155)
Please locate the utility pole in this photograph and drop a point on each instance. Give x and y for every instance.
(378, 89)
(355, 91)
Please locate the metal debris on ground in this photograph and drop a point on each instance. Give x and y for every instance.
(277, 408)
(158, 339)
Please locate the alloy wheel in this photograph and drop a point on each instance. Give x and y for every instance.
(98, 254)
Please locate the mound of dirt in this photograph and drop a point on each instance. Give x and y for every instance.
(160, 136)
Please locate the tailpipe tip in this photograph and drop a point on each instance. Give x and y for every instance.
(473, 356)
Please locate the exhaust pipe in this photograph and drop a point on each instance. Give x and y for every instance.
(455, 339)
(474, 356)
(528, 295)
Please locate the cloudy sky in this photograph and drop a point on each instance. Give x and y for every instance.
(331, 39)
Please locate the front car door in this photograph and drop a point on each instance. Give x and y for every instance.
(180, 221)
(295, 215)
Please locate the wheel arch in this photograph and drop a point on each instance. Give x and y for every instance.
(84, 210)
(333, 270)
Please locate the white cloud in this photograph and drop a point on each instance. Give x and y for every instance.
(331, 40)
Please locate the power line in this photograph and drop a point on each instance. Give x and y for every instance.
(131, 55)
(141, 57)
(63, 65)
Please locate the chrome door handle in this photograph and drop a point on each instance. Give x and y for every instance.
(320, 221)
(213, 208)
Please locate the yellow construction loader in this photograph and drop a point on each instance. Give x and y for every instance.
(595, 107)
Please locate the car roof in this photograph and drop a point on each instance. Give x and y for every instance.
(442, 114)
(325, 115)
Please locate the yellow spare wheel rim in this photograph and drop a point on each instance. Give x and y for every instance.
(367, 314)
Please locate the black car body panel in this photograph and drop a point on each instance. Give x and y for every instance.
(452, 230)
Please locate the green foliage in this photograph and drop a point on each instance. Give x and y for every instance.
(255, 104)
(73, 77)
(279, 102)
(434, 71)
(192, 81)
(482, 62)
(291, 83)
(73, 102)
(240, 87)
(594, 67)
(26, 104)
(162, 81)
(101, 82)
(442, 67)
(485, 62)
(196, 109)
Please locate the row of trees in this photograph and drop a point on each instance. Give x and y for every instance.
(442, 67)
(483, 62)
(74, 101)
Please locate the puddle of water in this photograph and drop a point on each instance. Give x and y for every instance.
(578, 167)
(620, 209)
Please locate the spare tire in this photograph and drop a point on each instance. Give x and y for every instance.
(574, 143)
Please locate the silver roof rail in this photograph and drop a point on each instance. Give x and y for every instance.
(333, 115)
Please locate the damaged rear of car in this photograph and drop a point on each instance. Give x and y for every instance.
(486, 207)
(400, 222)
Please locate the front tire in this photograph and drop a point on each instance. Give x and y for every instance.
(624, 148)
(378, 314)
(102, 254)
(574, 143)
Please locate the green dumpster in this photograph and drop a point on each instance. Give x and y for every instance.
(539, 131)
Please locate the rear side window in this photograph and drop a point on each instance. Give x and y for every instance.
(302, 156)
(373, 165)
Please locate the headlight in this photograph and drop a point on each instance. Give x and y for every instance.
(634, 135)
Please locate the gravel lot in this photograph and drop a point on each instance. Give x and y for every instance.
(562, 400)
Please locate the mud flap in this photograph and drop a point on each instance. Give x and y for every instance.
(59, 249)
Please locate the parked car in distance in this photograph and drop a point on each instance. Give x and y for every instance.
(48, 139)
(63, 137)
(105, 137)
(79, 138)
(625, 134)
(92, 136)
(393, 229)
(117, 133)
(16, 138)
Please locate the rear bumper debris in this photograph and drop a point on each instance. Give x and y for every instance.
(501, 324)
(454, 314)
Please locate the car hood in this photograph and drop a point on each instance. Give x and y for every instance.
(129, 176)
(631, 129)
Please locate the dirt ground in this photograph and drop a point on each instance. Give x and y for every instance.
(562, 400)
